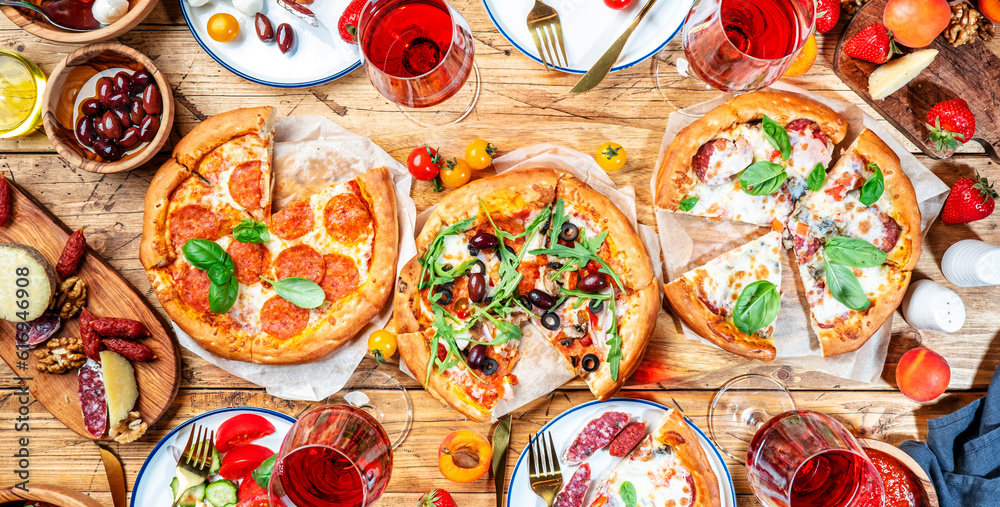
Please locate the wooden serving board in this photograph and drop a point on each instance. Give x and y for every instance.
(970, 72)
(108, 295)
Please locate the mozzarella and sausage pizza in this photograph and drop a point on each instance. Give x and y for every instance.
(257, 285)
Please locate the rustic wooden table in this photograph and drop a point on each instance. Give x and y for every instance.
(521, 104)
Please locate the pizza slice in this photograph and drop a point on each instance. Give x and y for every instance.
(669, 467)
(733, 300)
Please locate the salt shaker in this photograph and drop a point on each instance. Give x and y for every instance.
(972, 263)
(930, 306)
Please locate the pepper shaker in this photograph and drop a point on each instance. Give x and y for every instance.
(930, 306)
(972, 263)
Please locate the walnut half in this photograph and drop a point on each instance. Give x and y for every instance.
(60, 355)
(70, 298)
(129, 429)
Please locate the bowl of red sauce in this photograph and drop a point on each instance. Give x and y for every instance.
(905, 483)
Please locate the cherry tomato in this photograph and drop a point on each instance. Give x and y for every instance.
(243, 460)
(241, 429)
(424, 163)
(617, 4)
(610, 156)
(249, 487)
(382, 344)
(479, 154)
(258, 500)
(223, 27)
(456, 173)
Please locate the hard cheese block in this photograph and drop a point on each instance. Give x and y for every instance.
(119, 382)
(27, 282)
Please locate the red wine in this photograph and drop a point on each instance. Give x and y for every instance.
(832, 478)
(321, 476)
(765, 29)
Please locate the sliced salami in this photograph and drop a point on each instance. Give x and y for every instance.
(42, 328)
(341, 276)
(193, 221)
(627, 439)
(346, 217)
(194, 289)
(595, 436)
(292, 222)
(93, 400)
(302, 261)
(249, 260)
(245, 185)
(573, 493)
(281, 319)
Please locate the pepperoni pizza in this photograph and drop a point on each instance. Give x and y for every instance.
(245, 302)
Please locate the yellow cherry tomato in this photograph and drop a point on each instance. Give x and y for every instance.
(479, 154)
(456, 173)
(382, 344)
(610, 156)
(223, 27)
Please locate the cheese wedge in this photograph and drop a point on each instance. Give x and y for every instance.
(27, 283)
(119, 384)
(896, 74)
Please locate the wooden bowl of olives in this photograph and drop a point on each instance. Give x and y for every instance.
(80, 14)
(107, 109)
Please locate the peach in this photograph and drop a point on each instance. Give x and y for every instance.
(916, 23)
(990, 9)
(922, 374)
(464, 456)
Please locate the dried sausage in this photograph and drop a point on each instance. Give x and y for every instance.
(93, 400)
(92, 346)
(627, 439)
(346, 217)
(131, 350)
(249, 260)
(595, 436)
(293, 222)
(245, 185)
(72, 254)
(119, 328)
(341, 277)
(302, 261)
(193, 221)
(282, 319)
(194, 289)
(575, 491)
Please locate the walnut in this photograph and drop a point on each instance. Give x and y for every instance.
(851, 6)
(60, 355)
(966, 25)
(70, 298)
(129, 429)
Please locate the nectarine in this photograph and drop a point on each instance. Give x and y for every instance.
(915, 23)
(990, 9)
(922, 374)
(464, 456)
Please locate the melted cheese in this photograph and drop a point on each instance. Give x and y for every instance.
(732, 203)
(656, 474)
(807, 151)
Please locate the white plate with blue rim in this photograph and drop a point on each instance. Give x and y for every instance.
(152, 485)
(589, 27)
(564, 429)
(318, 55)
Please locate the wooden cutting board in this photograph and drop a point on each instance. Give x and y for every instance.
(108, 295)
(970, 72)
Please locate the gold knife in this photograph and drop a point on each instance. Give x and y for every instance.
(600, 70)
(116, 475)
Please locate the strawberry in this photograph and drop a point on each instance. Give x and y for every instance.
(348, 24)
(873, 44)
(969, 200)
(437, 498)
(827, 15)
(951, 123)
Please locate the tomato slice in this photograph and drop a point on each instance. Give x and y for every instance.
(257, 501)
(249, 488)
(241, 429)
(243, 460)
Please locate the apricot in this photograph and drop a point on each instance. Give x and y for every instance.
(990, 9)
(916, 23)
(922, 374)
(464, 456)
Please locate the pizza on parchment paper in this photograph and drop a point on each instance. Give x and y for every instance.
(343, 238)
(530, 251)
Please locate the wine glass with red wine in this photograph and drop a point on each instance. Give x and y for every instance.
(795, 458)
(419, 54)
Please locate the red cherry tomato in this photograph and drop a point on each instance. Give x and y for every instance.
(249, 488)
(617, 4)
(260, 500)
(241, 429)
(243, 460)
(424, 163)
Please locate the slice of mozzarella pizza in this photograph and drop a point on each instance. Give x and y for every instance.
(733, 300)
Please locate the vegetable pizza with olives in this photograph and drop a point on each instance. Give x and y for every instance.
(764, 158)
(251, 285)
(524, 252)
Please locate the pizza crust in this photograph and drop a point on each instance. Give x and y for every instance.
(154, 251)
(675, 432)
(850, 335)
(219, 129)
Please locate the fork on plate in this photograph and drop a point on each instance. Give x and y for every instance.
(546, 30)
(544, 474)
(196, 460)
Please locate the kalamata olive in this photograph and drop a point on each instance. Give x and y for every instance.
(569, 232)
(286, 37)
(484, 241)
(445, 296)
(123, 117)
(489, 366)
(510, 250)
(590, 363)
(596, 306)
(111, 126)
(525, 301)
(135, 111)
(541, 299)
(550, 321)
(85, 132)
(545, 225)
(477, 267)
(130, 138)
(148, 128)
(117, 99)
(473, 250)
(265, 30)
(108, 150)
(476, 355)
(99, 128)
(152, 102)
(105, 88)
(91, 107)
(555, 265)
(123, 81)
(477, 287)
(592, 282)
(140, 79)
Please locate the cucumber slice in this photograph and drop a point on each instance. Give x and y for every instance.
(192, 496)
(221, 493)
(216, 462)
(174, 484)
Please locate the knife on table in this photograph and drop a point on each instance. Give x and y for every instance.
(116, 475)
(600, 70)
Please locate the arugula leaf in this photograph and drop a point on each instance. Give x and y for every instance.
(763, 178)
(615, 343)
(756, 307)
(688, 204)
(298, 291)
(558, 219)
(628, 494)
(203, 254)
(251, 231)
(580, 254)
(845, 287)
(435, 248)
(816, 178)
(778, 137)
(852, 252)
(873, 188)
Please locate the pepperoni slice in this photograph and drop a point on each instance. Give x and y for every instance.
(293, 222)
(281, 319)
(341, 276)
(302, 261)
(249, 259)
(193, 221)
(194, 289)
(244, 185)
(346, 217)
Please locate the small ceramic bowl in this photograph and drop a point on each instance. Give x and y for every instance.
(54, 495)
(908, 462)
(36, 24)
(75, 75)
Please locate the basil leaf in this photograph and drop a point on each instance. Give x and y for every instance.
(262, 475)
(219, 275)
(872, 190)
(763, 178)
(856, 253)
(757, 307)
(203, 254)
(816, 178)
(845, 287)
(688, 204)
(627, 492)
(251, 231)
(778, 137)
(298, 291)
(221, 297)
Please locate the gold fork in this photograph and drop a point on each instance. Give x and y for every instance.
(195, 461)
(545, 477)
(546, 30)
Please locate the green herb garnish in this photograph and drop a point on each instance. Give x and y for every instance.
(778, 137)
(763, 178)
(845, 287)
(208, 256)
(756, 307)
(628, 494)
(251, 231)
(298, 291)
(816, 178)
(688, 204)
(855, 253)
(873, 188)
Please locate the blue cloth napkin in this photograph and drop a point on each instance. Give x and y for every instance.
(962, 452)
